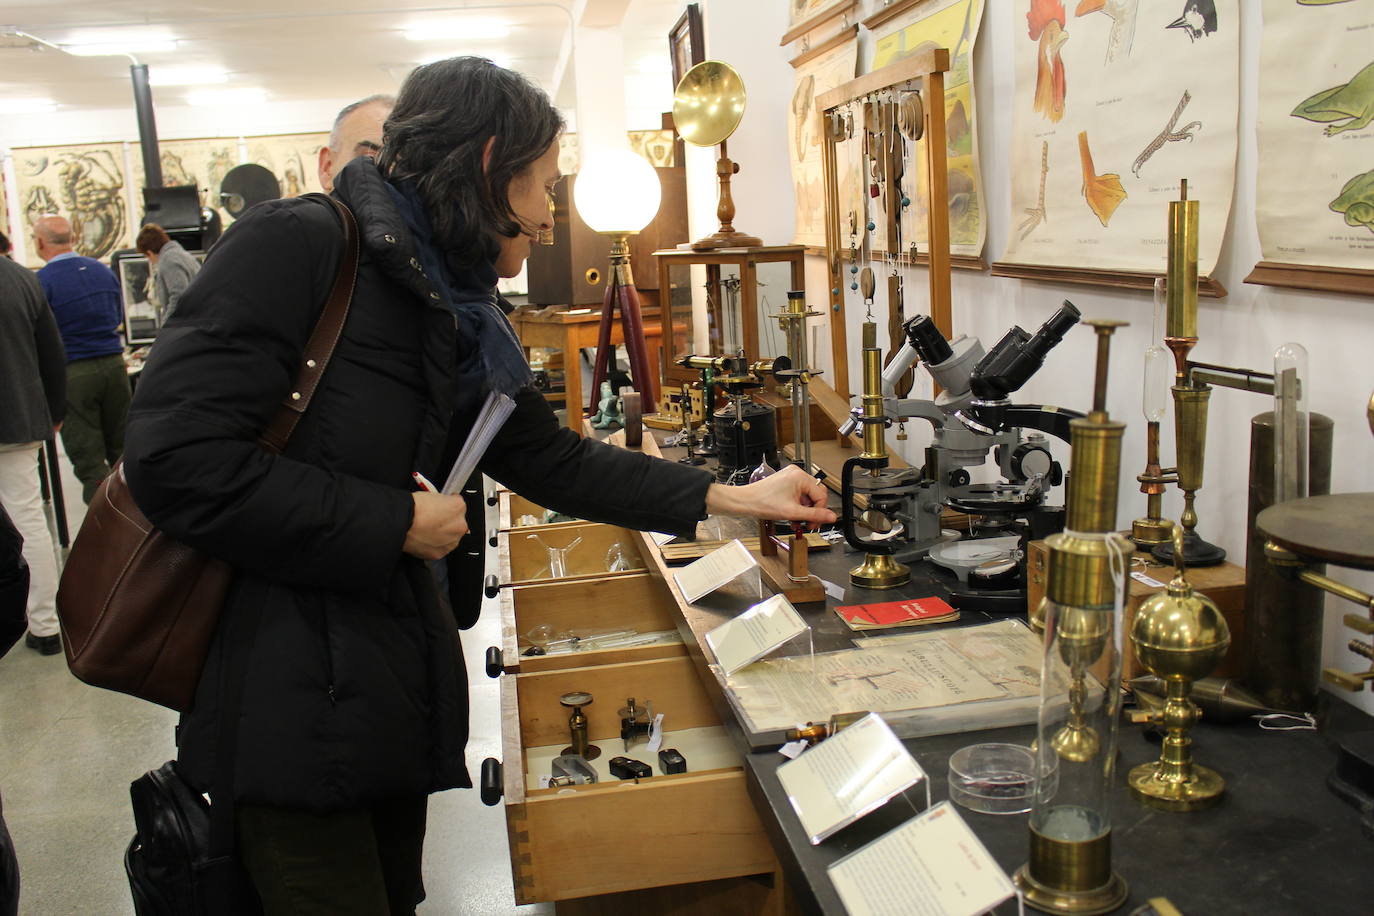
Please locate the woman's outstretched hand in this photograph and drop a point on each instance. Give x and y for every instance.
(791, 495)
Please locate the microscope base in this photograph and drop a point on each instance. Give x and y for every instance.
(879, 570)
(1196, 552)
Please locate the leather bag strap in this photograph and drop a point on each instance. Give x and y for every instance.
(320, 347)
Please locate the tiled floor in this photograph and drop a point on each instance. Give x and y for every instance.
(68, 753)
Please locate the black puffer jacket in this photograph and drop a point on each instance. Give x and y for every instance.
(355, 687)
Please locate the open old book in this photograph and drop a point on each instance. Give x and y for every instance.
(926, 683)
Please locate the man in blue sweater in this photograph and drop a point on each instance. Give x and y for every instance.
(84, 296)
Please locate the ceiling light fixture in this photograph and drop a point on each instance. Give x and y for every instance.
(110, 47)
(222, 97)
(27, 106)
(452, 29)
(187, 76)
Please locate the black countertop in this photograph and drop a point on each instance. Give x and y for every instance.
(1279, 842)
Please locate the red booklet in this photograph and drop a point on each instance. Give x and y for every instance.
(905, 613)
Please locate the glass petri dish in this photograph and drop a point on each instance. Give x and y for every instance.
(992, 778)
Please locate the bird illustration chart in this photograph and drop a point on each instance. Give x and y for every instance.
(1116, 101)
(1314, 195)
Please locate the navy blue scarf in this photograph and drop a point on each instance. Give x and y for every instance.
(493, 351)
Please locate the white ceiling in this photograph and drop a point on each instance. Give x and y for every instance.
(297, 51)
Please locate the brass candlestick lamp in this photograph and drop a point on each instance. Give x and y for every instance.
(1180, 636)
(1070, 867)
(707, 107)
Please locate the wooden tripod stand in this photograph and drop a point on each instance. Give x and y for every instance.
(620, 291)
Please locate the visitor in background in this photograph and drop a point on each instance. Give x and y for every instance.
(173, 268)
(357, 132)
(85, 300)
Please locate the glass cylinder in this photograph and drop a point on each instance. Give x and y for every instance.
(1079, 710)
(1291, 383)
(1159, 363)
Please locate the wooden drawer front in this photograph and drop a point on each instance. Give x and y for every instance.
(523, 559)
(635, 600)
(607, 838)
(512, 506)
(620, 836)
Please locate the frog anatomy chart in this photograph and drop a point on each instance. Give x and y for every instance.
(1116, 101)
(1315, 187)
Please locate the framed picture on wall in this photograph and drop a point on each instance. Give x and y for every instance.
(686, 42)
(142, 316)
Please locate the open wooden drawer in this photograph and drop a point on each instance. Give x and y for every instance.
(524, 559)
(511, 507)
(636, 601)
(614, 835)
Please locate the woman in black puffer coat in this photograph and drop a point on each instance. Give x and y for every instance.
(354, 703)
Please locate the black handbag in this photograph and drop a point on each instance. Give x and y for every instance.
(172, 868)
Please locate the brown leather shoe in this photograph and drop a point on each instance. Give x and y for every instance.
(44, 645)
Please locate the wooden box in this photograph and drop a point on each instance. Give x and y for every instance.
(638, 601)
(1224, 584)
(616, 836)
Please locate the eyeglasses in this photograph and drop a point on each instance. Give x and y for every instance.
(545, 236)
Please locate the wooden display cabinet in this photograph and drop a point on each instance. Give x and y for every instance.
(675, 297)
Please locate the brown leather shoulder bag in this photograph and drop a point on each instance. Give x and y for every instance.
(137, 608)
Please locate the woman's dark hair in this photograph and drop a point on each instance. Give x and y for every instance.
(444, 115)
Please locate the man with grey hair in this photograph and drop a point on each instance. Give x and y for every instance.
(357, 132)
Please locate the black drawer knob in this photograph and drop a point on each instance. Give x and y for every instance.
(491, 782)
(491, 587)
(494, 664)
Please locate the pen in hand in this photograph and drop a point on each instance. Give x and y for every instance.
(423, 483)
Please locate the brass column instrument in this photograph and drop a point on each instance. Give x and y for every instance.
(879, 569)
(1191, 394)
(1070, 864)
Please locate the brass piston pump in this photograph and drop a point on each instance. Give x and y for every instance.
(1070, 867)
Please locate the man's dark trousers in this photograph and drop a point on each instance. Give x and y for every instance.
(98, 397)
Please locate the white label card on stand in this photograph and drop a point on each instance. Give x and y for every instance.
(933, 865)
(720, 567)
(846, 776)
(753, 634)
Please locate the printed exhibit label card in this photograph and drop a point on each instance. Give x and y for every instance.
(718, 568)
(933, 865)
(753, 634)
(848, 775)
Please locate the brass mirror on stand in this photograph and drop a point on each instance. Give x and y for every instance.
(707, 107)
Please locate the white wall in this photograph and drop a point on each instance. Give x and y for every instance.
(1241, 330)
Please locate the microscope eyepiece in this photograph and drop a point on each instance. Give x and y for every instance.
(1018, 356)
(930, 345)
